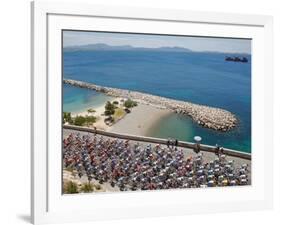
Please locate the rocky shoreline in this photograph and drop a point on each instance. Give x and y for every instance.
(209, 117)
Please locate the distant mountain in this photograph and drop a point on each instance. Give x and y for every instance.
(105, 47)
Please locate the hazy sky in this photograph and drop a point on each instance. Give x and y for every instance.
(75, 38)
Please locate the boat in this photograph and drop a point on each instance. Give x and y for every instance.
(236, 59)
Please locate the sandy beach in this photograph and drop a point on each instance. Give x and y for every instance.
(139, 121)
(99, 113)
(206, 116)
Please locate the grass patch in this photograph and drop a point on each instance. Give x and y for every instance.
(87, 188)
(70, 187)
(84, 120)
(119, 113)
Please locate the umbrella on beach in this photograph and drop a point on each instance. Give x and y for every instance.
(197, 138)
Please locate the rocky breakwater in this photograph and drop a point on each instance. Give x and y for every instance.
(210, 117)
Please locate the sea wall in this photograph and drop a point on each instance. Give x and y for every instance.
(190, 145)
(210, 117)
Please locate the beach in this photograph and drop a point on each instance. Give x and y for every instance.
(139, 120)
(99, 114)
(205, 116)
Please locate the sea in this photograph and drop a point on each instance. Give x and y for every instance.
(198, 77)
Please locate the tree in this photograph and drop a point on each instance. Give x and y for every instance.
(91, 111)
(79, 121)
(90, 120)
(130, 103)
(109, 109)
(84, 120)
(67, 117)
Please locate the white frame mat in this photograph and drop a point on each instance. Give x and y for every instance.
(47, 203)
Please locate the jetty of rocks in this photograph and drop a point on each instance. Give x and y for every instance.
(209, 117)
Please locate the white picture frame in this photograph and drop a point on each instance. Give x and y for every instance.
(46, 204)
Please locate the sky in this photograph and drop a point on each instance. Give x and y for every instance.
(228, 45)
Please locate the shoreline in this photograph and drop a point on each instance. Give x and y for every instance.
(99, 114)
(140, 120)
(209, 117)
(136, 124)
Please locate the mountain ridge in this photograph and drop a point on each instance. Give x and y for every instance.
(105, 47)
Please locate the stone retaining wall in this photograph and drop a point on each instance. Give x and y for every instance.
(183, 144)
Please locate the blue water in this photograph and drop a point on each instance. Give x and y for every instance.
(80, 99)
(203, 78)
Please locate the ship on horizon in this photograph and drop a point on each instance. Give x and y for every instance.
(236, 59)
